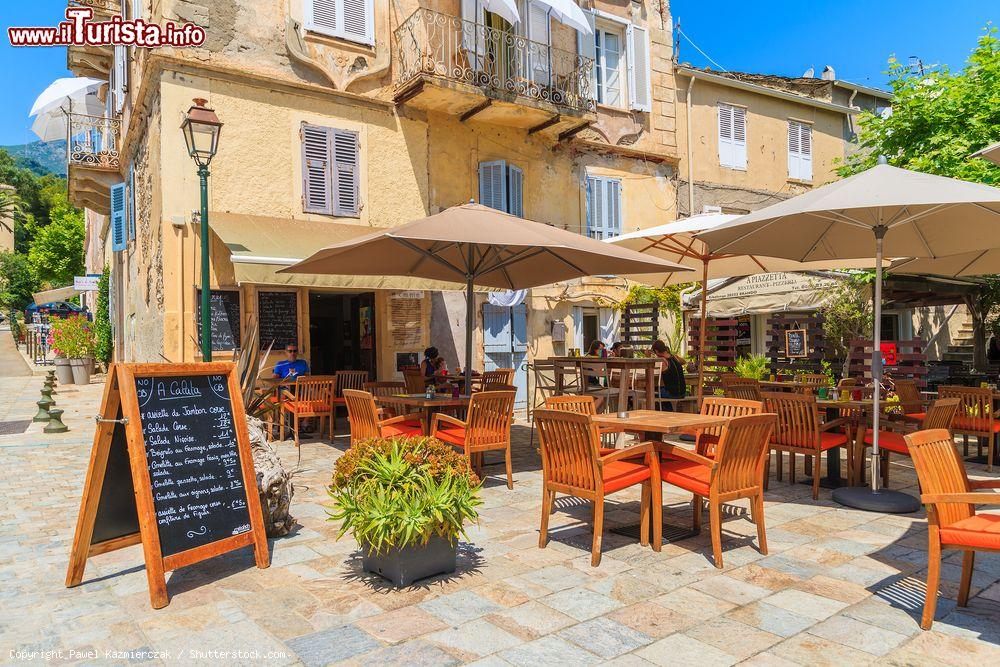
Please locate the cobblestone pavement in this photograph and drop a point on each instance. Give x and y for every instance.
(838, 587)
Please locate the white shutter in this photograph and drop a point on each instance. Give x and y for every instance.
(805, 157)
(358, 20)
(118, 232)
(538, 31)
(345, 172)
(138, 9)
(473, 32)
(793, 149)
(587, 47)
(316, 170)
(493, 184)
(119, 77)
(515, 191)
(348, 19)
(322, 16)
(604, 207)
(726, 158)
(799, 151)
(640, 94)
(739, 138)
(613, 224)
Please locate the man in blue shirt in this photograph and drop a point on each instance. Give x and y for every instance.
(292, 367)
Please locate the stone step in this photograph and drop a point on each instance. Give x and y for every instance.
(958, 356)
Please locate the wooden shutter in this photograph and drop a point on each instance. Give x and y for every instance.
(725, 135)
(493, 184)
(603, 207)
(793, 149)
(322, 16)
(118, 77)
(739, 138)
(474, 32)
(316, 169)
(538, 31)
(358, 20)
(799, 151)
(515, 191)
(345, 172)
(118, 239)
(613, 224)
(587, 47)
(640, 94)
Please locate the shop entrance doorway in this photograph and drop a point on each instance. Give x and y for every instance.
(341, 332)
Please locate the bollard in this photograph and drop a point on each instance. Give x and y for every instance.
(55, 424)
(47, 392)
(43, 409)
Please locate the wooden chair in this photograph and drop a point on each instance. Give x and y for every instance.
(346, 380)
(910, 402)
(567, 375)
(952, 522)
(799, 431)
(729, 379)
(595, 381)
(504, 376)
(736, 471)
(747, 390)
(487, 428)
(939, 415)
(714, 406)
(543, 387)
(816, 379)
(572, 465)
(365, 423)
(975, 417)
(847, 384)
(311, 396)
(385, 389)
(414, 381)
(581, 405)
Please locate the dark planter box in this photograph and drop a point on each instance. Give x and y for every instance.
(404, 566)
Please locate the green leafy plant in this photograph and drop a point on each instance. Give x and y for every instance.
(72, 337)
(847, 313)
(104, 338)
(396, 492)
(828, 370)
(754, 366)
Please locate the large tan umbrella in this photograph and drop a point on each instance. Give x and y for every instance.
(906, 214)
(677, 242)
(979, 263)
(481, 246)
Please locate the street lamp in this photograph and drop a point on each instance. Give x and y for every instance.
(201, 133)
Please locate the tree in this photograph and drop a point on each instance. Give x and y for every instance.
(102, 318)
(17, 281)
(56, 251)
(11, 210)
(848, 313)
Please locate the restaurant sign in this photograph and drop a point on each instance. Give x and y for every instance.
(772, 283)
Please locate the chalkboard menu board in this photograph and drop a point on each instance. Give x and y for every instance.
(193, 459)
(795, 343)
(225, 322)
(277, 313)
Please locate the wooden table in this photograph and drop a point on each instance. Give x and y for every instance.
(411, 402)
(646, 364)
(655, 423)
(786, 385)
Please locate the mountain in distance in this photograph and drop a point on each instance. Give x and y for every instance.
(41, 157)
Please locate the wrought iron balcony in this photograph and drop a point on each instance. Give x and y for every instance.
(502, 63)
(93, 141)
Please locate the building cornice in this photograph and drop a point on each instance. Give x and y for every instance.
(763, 90)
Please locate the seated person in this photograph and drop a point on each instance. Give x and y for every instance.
(597, 349)
(429, 365)
(672, 383)
(292, 367)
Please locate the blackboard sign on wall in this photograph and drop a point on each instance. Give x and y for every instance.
(193, 459)
(170, 469)
(225, 322)
(795, 343)
(277, 313)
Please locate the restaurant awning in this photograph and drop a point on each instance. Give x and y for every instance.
(57, 294)
(259, 246)
(766, 293)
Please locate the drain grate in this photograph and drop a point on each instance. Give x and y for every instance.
(15, 427)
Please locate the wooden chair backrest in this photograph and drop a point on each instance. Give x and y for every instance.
(544, 374)
(568, 372)
(908, 394)
(940, 470)
(569, 444)
(742, 451)
(496, 386)
(350, 380)
(847, 384)
(975, 412)
(362, 415)
(798, 418)
(497, 376)
(816, 379)
(593, 370)
(313, 388)
(745, 391)
(384, 388)
(940, 414)
(715, 406)
(414, 382)
(581, 405)
(490, 416)
(729, 379)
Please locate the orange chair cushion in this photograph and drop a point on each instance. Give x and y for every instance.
(915, 416)
(688, 475)
(340, 401)
(621, 474)
(975, 424)
(889, 440)
(454, 435)
(301, 407)
(827, 440)
(408, 427)
(981, 530)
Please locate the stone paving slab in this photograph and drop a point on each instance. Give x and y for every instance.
(839, 587)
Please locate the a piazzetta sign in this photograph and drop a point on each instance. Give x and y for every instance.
(772, 283)
(85, 283)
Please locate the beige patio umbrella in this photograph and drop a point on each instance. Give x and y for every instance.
(906, 214)
(979, 263)
(677, 242)
(481, 246)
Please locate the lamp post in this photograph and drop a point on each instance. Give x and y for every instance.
(201, 129)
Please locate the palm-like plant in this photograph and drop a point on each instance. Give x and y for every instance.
(11, 208)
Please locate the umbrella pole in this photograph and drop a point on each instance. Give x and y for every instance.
(470, 312)
(702, 331)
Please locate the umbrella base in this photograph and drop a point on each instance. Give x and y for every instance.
(883, 500)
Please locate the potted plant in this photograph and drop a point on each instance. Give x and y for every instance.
(753, 367)
(406, 501)
(73, 343)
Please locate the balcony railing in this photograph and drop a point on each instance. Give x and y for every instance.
(99, 6)
(435, 44)
(93, 141)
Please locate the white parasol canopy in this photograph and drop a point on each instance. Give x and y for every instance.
(64, 96)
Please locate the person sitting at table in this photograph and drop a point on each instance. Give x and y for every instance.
(292, 367)
(671, 384)
(429, 364)
(597, 349)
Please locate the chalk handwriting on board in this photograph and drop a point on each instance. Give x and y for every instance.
(224, 322)
(277, 319)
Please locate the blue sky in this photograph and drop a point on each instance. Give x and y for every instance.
(766, 36)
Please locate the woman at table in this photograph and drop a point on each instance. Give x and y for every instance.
(597, 349)
(672, 384)
(429, 365)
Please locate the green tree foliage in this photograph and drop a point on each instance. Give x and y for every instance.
(105, 344)
(56, 251)
(36, 194)
(11, 210)
(17, 281)
(669, 301)
(938, 118)
(847, 309)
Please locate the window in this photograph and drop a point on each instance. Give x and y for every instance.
(604, 207)
(348, 19)
(608, 62)
(732, 137)
(119, 78)
(330, 161)
(501, 186)
(800, 151)
(118, 215)
(620, 51)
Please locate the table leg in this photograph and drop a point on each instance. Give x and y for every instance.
(833, 480)
(428, 416)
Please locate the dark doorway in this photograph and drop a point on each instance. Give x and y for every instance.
(341, 332)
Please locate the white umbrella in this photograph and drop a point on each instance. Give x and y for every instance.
(63, 96)
(905, 213)
(569, 13)
(505, 8)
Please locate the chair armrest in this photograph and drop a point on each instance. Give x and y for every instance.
(970, 498)
(985, 483)
(440, 417)
(682, 453)
(899, 427)
(402, 418)
(833, 423)
(628, 453)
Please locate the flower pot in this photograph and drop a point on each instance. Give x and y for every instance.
(404, 566)
(91, 363)
(64, 374)
(81, 370)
